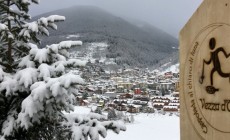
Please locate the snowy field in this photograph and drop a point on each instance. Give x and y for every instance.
(90, 50)
(146, 127)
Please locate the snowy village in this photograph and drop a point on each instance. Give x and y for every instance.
(102, 70)
(130, 91)
(140, 98)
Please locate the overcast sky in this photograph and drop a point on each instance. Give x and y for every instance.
(168, 15)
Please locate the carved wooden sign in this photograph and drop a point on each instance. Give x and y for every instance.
(205, 73)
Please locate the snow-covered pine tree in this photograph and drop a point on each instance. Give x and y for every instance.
(98, 110)
(132, 118)
(112, 114)
(35, 85)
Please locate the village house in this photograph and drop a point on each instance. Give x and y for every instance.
(122, 107)
(112, 105)
(128, 89)
(159, 102)
(125, 85)
(126, 96)
(170, 108)
(133, 108)
(111, 95)
(158, 106)
(144, 97)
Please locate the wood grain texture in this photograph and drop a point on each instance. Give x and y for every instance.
(205, 73)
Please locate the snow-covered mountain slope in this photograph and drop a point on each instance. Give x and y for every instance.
(169, 67)
(128, 43)
(173, 68)
(92, 52)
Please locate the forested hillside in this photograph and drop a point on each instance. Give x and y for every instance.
(129, 44)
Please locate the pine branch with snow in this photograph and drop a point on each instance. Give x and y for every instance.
(89, 126)
(36, 85)
(40, 88)
(16, 32)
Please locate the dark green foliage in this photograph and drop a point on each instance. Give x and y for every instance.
(85, 95)
(48, 129)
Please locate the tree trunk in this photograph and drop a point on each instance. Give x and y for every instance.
(9, 41)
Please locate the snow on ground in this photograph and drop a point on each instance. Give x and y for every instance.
(92, 51)
(150, 127)
(146, 127)
(73, 36)
(173, 68)
(81, 110)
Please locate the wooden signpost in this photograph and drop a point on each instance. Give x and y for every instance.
(205, 73)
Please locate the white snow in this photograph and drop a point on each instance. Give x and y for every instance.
(52, 25)
(33, 26)
(39, 91)
(30, 108)
(25, 1)
(90, 50)
(40, 55)
(44, 70)
(70, 78)
(53, 18)
(9, 84)
(76, 62)
(43, 21)
(102, 45)
(25, 62)
(1, 74)
(68, 44)
(73, 36)
(8, 126)
(3, 27)
(88, 124)
(40, 26)
(60, 68)
(27, 76)
(173, 68)
(150, 127)
(145, 127)
(44, 30)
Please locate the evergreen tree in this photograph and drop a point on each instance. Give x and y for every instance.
(98, 110)
(112, 114)
(35, 83)
(132, 118)
(85, 95)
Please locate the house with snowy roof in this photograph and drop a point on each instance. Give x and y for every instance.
(122, 107)
(170, 108)
(132, 108)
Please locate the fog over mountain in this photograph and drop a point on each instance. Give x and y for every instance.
(130, 43)
(168, 15)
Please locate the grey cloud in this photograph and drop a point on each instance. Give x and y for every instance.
(168, 15)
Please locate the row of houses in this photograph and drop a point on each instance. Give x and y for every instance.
(168, 104)
(133, 91)
(134, 103)
(143, 103)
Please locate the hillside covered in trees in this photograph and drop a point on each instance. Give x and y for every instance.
(129, 44)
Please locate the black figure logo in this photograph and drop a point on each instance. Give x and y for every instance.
(216, 66)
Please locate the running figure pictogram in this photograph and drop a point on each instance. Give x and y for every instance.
(216, 66)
